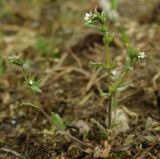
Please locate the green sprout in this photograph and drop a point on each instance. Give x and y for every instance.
(100, 22)
(58, 123)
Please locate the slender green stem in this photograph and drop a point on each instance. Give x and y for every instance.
(109, 105)
(112, 97)
(109, 111)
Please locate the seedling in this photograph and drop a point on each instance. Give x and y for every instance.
(115, 80)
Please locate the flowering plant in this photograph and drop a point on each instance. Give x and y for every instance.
(100, 22)
(29, 78)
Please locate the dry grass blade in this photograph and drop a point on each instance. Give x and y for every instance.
(12, 152)
(155, 78)
(55, 68)
(92, 80)
(66, 70)
(86, 98)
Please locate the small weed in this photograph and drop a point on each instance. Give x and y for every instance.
(100, 22)
(29, 78)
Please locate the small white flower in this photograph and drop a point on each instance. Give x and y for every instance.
(114, 72)
(31, 82)
(142, 55)
(87, 17)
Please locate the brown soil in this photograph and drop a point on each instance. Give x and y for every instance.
(72, 87)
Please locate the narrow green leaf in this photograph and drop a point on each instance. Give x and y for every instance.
(108, 37)
(123, 88)
(132, 52)
(157, 128)
(104, 16)
(103, 94)
(15, 60)
(123, 33)
(97, 65)
(150, 138)
(35, 89)
(114, 125)
(57, 122)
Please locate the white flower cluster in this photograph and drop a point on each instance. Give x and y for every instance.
(91, 17)
(31, 82)
(141, 55)
(14, 57)
(87, 17)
